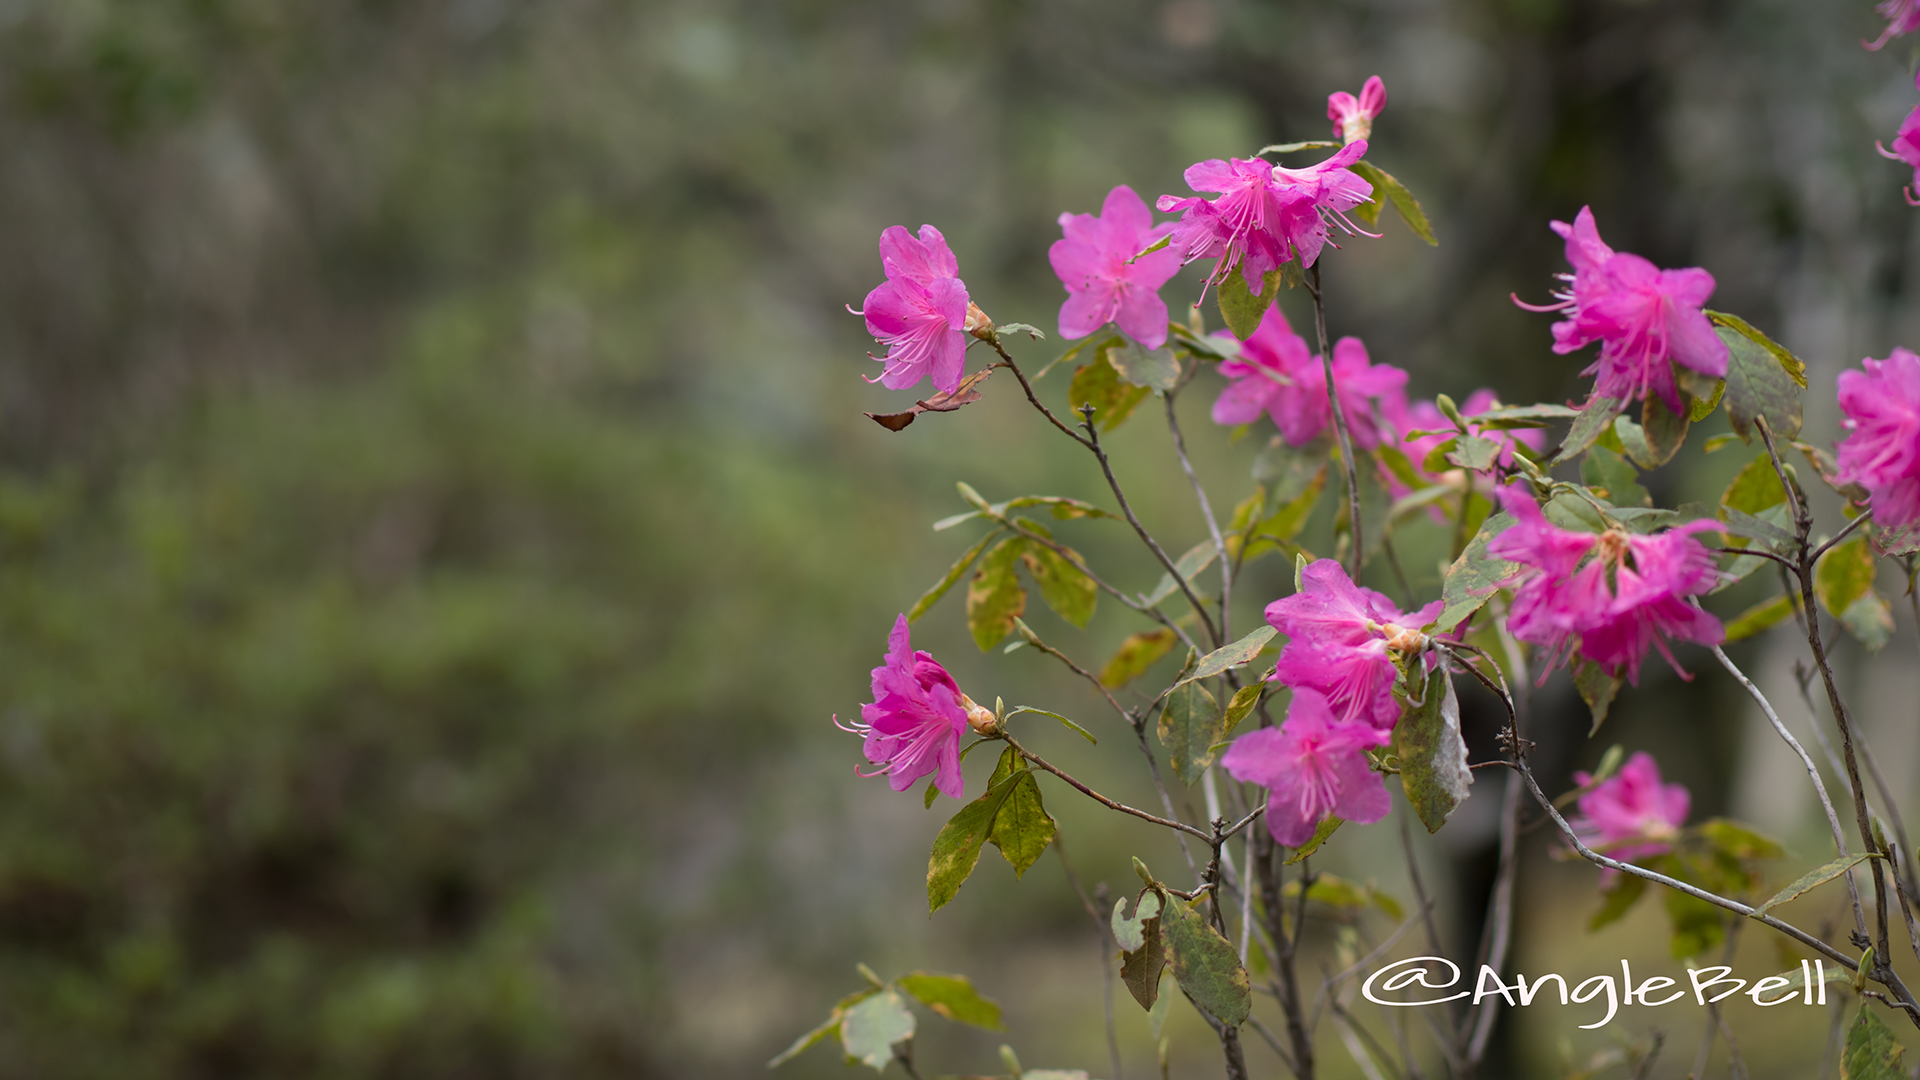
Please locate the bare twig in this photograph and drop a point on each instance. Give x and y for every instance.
(1339, 423)
(1213, 526)
(1092, 442)
(1179, 826)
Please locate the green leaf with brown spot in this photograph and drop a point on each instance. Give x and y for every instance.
(953, 997)
(1595, 420)
(1664, 429)
(1021, 828)
(1189, 728)
(1597, 688)
(1810, 881)
(956, 851)
(1229, 656)
(1135, 655)
(1243, 702)
(1100, 385)
(1155, 369)
(1872, 1053)
(1475, 576)
(1758, 385)
(1205, 964)
(1064, 583)
(954, 574)
(1320, 835)
(995, 596)
(1433, 756)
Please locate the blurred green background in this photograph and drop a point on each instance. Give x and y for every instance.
(436, 522)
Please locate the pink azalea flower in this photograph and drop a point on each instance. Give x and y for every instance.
(1313, 766)
(1338, 638)
(1906, 144)
(1642, 316)
(1561, 604)
(1353, 120)
(920, 312)
(1265, 215)
(1881, 451)
(914, 723)
(1631, 814)
(1095, 261)
(1275, 374)
(1903, 17)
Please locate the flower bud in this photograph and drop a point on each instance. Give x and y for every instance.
(980, 718)
(979, 324)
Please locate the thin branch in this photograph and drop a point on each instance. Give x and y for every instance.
(1150, 611)
(1813, 774)
(1028, 387)
(1499, 930)
(1213, 526)
(1092, 442)
(1179, 826)
(1339, 424)
(1829, 545)
(1104, 931)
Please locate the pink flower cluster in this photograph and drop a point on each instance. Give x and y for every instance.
(1562, 605)
(1881, 451)
(1906, 144)
(1265, 215)
(914, 723)
(1631, 815)
(1642, 316)
(1277, 374)
(1337, 661)
(920, 311)
(1096, 261)
(1903, 17)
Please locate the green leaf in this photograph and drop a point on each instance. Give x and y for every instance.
(1696, 925)
(1755, 488)
(1230, 656)
(1666, 431)
(1795, 367)
(1205, 964)
(871, 1028)
(1292, 147)
(954, 574)
(995, 596)
(1517, 416)
(1703, 392)
(1084, 733)
(1614, 477)
(1032, 332)
(1156, 369)
(1872, 1053)
(1135, 655)
(1738, 841)
(1239, 307)
(1021, 828)
(953, 997)
(1811, 880)
(1758, 384)
(1242, 704)
(956, 851)
(1594, 421)
(1475, 453)
(1198, 558)
(1320, 835)
(1129, 931)
(1740, 523)
(1597, 688)
(1094, 343)
(1099, 384)
(1475, 576)
(831, 1027)
(1397, 463)
(1760, 617)
(1189, 728)
(1063, 583)
(1433, 756)
(1350, 895)
(1617, 900)
(1402, 199)
(1140, 966)
(1843, 582)
(1286, 522)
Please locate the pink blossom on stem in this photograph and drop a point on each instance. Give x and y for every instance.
(1564, 600)
(1313, 766)
(1353, 119)
(914, 723)
(920, 312)
(1881, 451)
(1642, 316)
(1105, 283)
(1338, 638)
(1906, 146)
(1903, 17)
(1631, 814)
(1276, 374)
(1265, 215)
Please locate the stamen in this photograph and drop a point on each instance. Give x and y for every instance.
(1542, 308)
